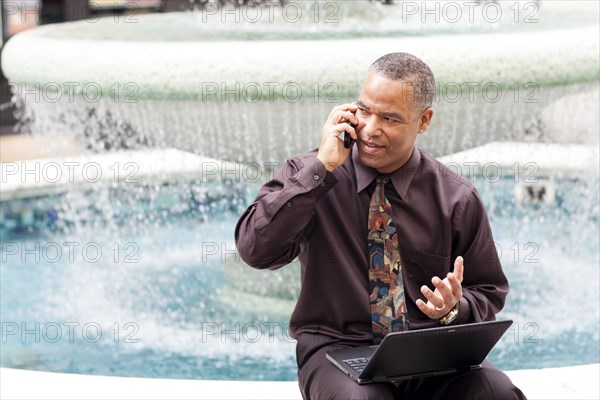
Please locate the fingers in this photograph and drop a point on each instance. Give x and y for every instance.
(437, 299)
(344, 116)
(344, 107)
(427, 309)
(434, 303)
(459, 268)
(455, 286)
(447, 293)
(455, 278)
(430, 310)
(332, 152)
(339, 128)
(343, 113)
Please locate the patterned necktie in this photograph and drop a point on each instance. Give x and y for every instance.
(386, 289)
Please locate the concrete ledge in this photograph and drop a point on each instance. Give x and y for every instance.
(39, 177)
(533, 160)
(578, 382)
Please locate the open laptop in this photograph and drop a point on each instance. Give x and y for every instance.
(421, 353)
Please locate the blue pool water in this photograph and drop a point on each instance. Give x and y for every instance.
(135, 285)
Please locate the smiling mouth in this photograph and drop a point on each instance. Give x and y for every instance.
(370, 147)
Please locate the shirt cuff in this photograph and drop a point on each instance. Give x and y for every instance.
(316, 179)
(464, 312)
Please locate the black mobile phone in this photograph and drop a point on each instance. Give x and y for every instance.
(348, 141)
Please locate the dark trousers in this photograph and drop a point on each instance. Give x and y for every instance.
(319, 379)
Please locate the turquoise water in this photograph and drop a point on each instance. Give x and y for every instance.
(156, 302)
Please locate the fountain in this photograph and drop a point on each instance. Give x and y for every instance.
(168, 293)
(242, 99)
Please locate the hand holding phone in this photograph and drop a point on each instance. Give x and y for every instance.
(330, 152)
(348, 141)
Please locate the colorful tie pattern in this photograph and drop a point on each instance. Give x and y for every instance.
(386, 288)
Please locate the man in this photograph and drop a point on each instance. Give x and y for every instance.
(388, 239)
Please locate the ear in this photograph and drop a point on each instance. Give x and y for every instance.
(425, 120)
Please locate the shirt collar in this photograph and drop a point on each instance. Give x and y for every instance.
(400, 178)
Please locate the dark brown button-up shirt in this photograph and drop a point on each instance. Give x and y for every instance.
(321, 218)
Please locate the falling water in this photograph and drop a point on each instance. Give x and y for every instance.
(169, 289)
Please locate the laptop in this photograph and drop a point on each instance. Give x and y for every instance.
(421, 353)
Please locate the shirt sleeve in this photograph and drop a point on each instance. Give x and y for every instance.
(271, 230)
(485, 286)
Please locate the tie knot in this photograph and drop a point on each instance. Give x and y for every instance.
(382, 180)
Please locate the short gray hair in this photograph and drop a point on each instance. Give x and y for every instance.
(412, 70)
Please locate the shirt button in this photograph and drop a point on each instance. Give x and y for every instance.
(322, 183)
(289, 204)
(316, 177)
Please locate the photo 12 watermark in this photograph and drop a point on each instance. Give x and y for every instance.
(239, 172)
(254, 12)
(68, 171)
(494, 172)
(329, 92)
(518, 252)
(487, 91)
(69, 252)
(253, 92)
(470, 12)
(68, 332)
(245, 332)
(278, 11)
(89, 92)
(524, 332)
(36, 12)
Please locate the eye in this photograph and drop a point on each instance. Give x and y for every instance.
(390, 121)
(363, 111)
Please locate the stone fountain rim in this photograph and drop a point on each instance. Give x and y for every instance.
(181, 70)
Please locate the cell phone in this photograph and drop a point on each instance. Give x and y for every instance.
(348, 141)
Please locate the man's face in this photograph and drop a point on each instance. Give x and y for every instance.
(388, 123)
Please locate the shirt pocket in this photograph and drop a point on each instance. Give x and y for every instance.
(425, 266)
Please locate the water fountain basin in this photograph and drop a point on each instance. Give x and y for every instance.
(82, 53)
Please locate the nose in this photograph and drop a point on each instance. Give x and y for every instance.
(368, 127)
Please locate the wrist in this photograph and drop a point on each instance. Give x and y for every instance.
(329, 166)
(450, 316)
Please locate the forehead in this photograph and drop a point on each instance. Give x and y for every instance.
(385, 94)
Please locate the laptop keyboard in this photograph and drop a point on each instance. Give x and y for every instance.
(357, 364)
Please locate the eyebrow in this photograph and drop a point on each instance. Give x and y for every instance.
(392, 115)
